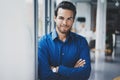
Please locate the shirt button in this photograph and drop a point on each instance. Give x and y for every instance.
(62, 53)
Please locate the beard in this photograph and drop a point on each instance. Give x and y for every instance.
(64, 29)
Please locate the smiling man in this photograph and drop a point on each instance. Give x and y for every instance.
(62, 54)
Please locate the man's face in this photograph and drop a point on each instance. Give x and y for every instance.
(64, 20)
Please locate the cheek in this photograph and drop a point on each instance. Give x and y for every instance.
(58, 22)
(70, 24)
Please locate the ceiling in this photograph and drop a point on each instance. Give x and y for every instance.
(113, 12)
(110, 3)
(93, 0)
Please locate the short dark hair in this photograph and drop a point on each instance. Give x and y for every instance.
(66, 5)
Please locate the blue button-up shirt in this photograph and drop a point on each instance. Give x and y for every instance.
(54, 52)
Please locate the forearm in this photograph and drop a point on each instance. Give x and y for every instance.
(45, 73)
(48, 76)
(80, 70)
(75, 73)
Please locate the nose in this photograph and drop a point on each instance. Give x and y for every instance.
(64, 22)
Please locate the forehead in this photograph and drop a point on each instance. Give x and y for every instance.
(65, 13)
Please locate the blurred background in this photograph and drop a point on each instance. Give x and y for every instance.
(23, 22)
(98, 22)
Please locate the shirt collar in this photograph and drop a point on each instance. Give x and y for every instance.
(55, 35)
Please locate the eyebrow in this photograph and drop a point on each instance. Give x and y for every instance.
(63, 17)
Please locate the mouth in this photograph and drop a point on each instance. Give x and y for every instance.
(64, 26)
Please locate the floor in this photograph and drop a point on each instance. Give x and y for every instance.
(103, 70)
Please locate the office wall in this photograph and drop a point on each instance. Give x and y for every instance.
(84, 10)
(17, 57)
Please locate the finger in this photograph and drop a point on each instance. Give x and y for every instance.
(79, 61)
(83, 64)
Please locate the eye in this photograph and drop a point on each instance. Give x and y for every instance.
(61, 18)
(70, 19)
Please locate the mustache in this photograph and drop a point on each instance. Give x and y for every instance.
(64, 25)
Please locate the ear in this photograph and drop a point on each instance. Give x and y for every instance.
(55, 18)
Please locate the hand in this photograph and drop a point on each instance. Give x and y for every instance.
(52, 67)
(80, 63)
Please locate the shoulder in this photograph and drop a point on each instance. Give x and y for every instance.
(80, 40)
(44, 38)
(77, 36)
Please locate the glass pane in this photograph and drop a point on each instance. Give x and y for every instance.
(40, 17)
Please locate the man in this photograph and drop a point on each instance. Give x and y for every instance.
(62, 54)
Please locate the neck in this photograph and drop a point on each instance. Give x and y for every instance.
(61, 36)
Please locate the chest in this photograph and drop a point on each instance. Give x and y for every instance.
(64, 53)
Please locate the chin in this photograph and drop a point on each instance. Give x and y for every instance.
(64, 32)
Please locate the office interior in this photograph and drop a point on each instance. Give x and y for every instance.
(23, 22)
(98, 21)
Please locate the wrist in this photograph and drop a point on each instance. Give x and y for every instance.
(55, 69)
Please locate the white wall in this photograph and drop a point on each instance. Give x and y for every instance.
(17, 57)
(84, 10)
